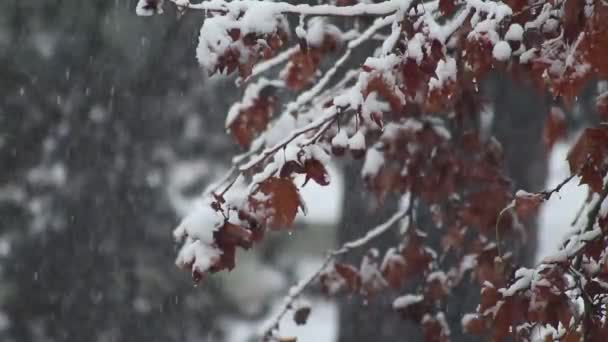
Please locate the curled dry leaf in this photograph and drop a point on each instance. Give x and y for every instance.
(312, 168)
(315, 170)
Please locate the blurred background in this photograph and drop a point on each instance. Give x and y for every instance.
(109, 130)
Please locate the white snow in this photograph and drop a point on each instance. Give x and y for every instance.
(261, 18)
(557, 213)
(300, 32)
(340, 139)
(373, 104)
(414, 48)
(377, 9)
(391, 40)
(446, 71)
(374, 160)
(141, 9)
(318, 28)
(515, 33)
(197, 229)
(502, 51)
(199, 224)
(524, 277)
(439, 276)
(213, 41)
(370, 274)
(407, 300)
(357, 141)
(201, 255)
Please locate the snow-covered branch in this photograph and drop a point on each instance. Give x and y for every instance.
(373, 9)
(271, 328)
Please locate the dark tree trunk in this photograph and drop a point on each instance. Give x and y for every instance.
(374, 319)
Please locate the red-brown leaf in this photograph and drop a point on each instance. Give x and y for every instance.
(474, 325)
(447, 7)
(587, 157)
(252, 121)
(275, 202)
(315, 170)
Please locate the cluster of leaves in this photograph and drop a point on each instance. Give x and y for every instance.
(412, 112)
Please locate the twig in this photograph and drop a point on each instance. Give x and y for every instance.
(296, 291)
(547, 193)
(507, 208)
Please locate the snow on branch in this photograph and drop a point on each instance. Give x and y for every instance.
(373, 9)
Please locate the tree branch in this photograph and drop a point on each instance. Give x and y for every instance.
(304, 98)
(358, 10)
(295, 291)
